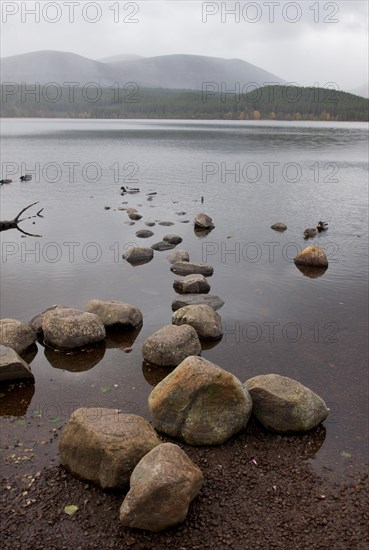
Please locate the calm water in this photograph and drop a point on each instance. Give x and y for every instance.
(275, 318)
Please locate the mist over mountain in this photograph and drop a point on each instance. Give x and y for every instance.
(185, 72)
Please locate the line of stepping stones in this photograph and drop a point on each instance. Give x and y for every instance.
(198, 402)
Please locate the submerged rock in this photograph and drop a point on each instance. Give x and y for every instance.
(166, 224)
(188, 268)
(200, 403)
(12, 366)
(170, 345)
(171, 238)
(115, 313)
(144, 233)
(162, 486)
(104, 445)
(283, 405)
(162, 246)
(196, 299)
(178, 256)
(312, 256)
(138, 255)
(279, 226)
(68, 328)
(203, 318)
(192, 284)
(16, 335)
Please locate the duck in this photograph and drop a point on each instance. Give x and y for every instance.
(130, 190)
(322, 226)
(313, 231)
(27, 177)
(5, 181)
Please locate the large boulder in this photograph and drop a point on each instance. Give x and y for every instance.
(192, 284)
(37, 320)
(170, 345)
(188, 268)
(203, 318)
(202, 221)
(178, 256)
(162, 486)
(12, 367)
(16, 335)
(196, 299)
(137, 255)
(104, 445)
(200, 403)
(115, 313)
(284, 405)
(68, 328)
(312, 256)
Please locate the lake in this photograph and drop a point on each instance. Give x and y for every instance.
(249, 175)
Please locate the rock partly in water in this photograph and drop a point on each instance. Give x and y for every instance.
(144, 233)
(104, 445)
(68, 329)
(192, 284)
(202, 221)
(171, 238)
(149, 223)
(189, 268)
(178, 256)
(312, 256)
(166, 224)
(16, 335)
(170, 345)
(203, 318)
(138, 255)
(161, 246)
(197, 299)
(12, 367)
(200, 403)
(162, 486)
(283, 405)
(279, 226)
(135, 216)
(36, 322)
(116, 313)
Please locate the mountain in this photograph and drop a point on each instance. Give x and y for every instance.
(185, 72)
(121, 57)
(362, 91)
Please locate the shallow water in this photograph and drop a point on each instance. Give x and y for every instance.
(250, 175)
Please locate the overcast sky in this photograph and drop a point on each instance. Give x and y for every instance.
(306, 42)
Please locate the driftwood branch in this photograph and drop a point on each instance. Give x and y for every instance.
(13, 224)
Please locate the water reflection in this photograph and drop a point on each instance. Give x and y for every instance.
(121, 339)
(154, 375)
(202, 232)
(29, 354)
(79, 361)
(17, 398)
(311, 272)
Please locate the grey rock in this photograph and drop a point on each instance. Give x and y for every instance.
(196, 299)
(162, 486)
(138, 255)
(171, 238)
(284, 405)
(202, 221)
(134, 216)
(188, 268)
(203, 318)
(16, 335)
(115, 313)
(144, 233)
(178, 256)
(192, 284)
(68, 328)
(12, 367)
(170, 345)
(36, 322)
(200, 403)
(279, 226)
(166, 224)
(150, 224)
(162, 246)
(104, 445)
